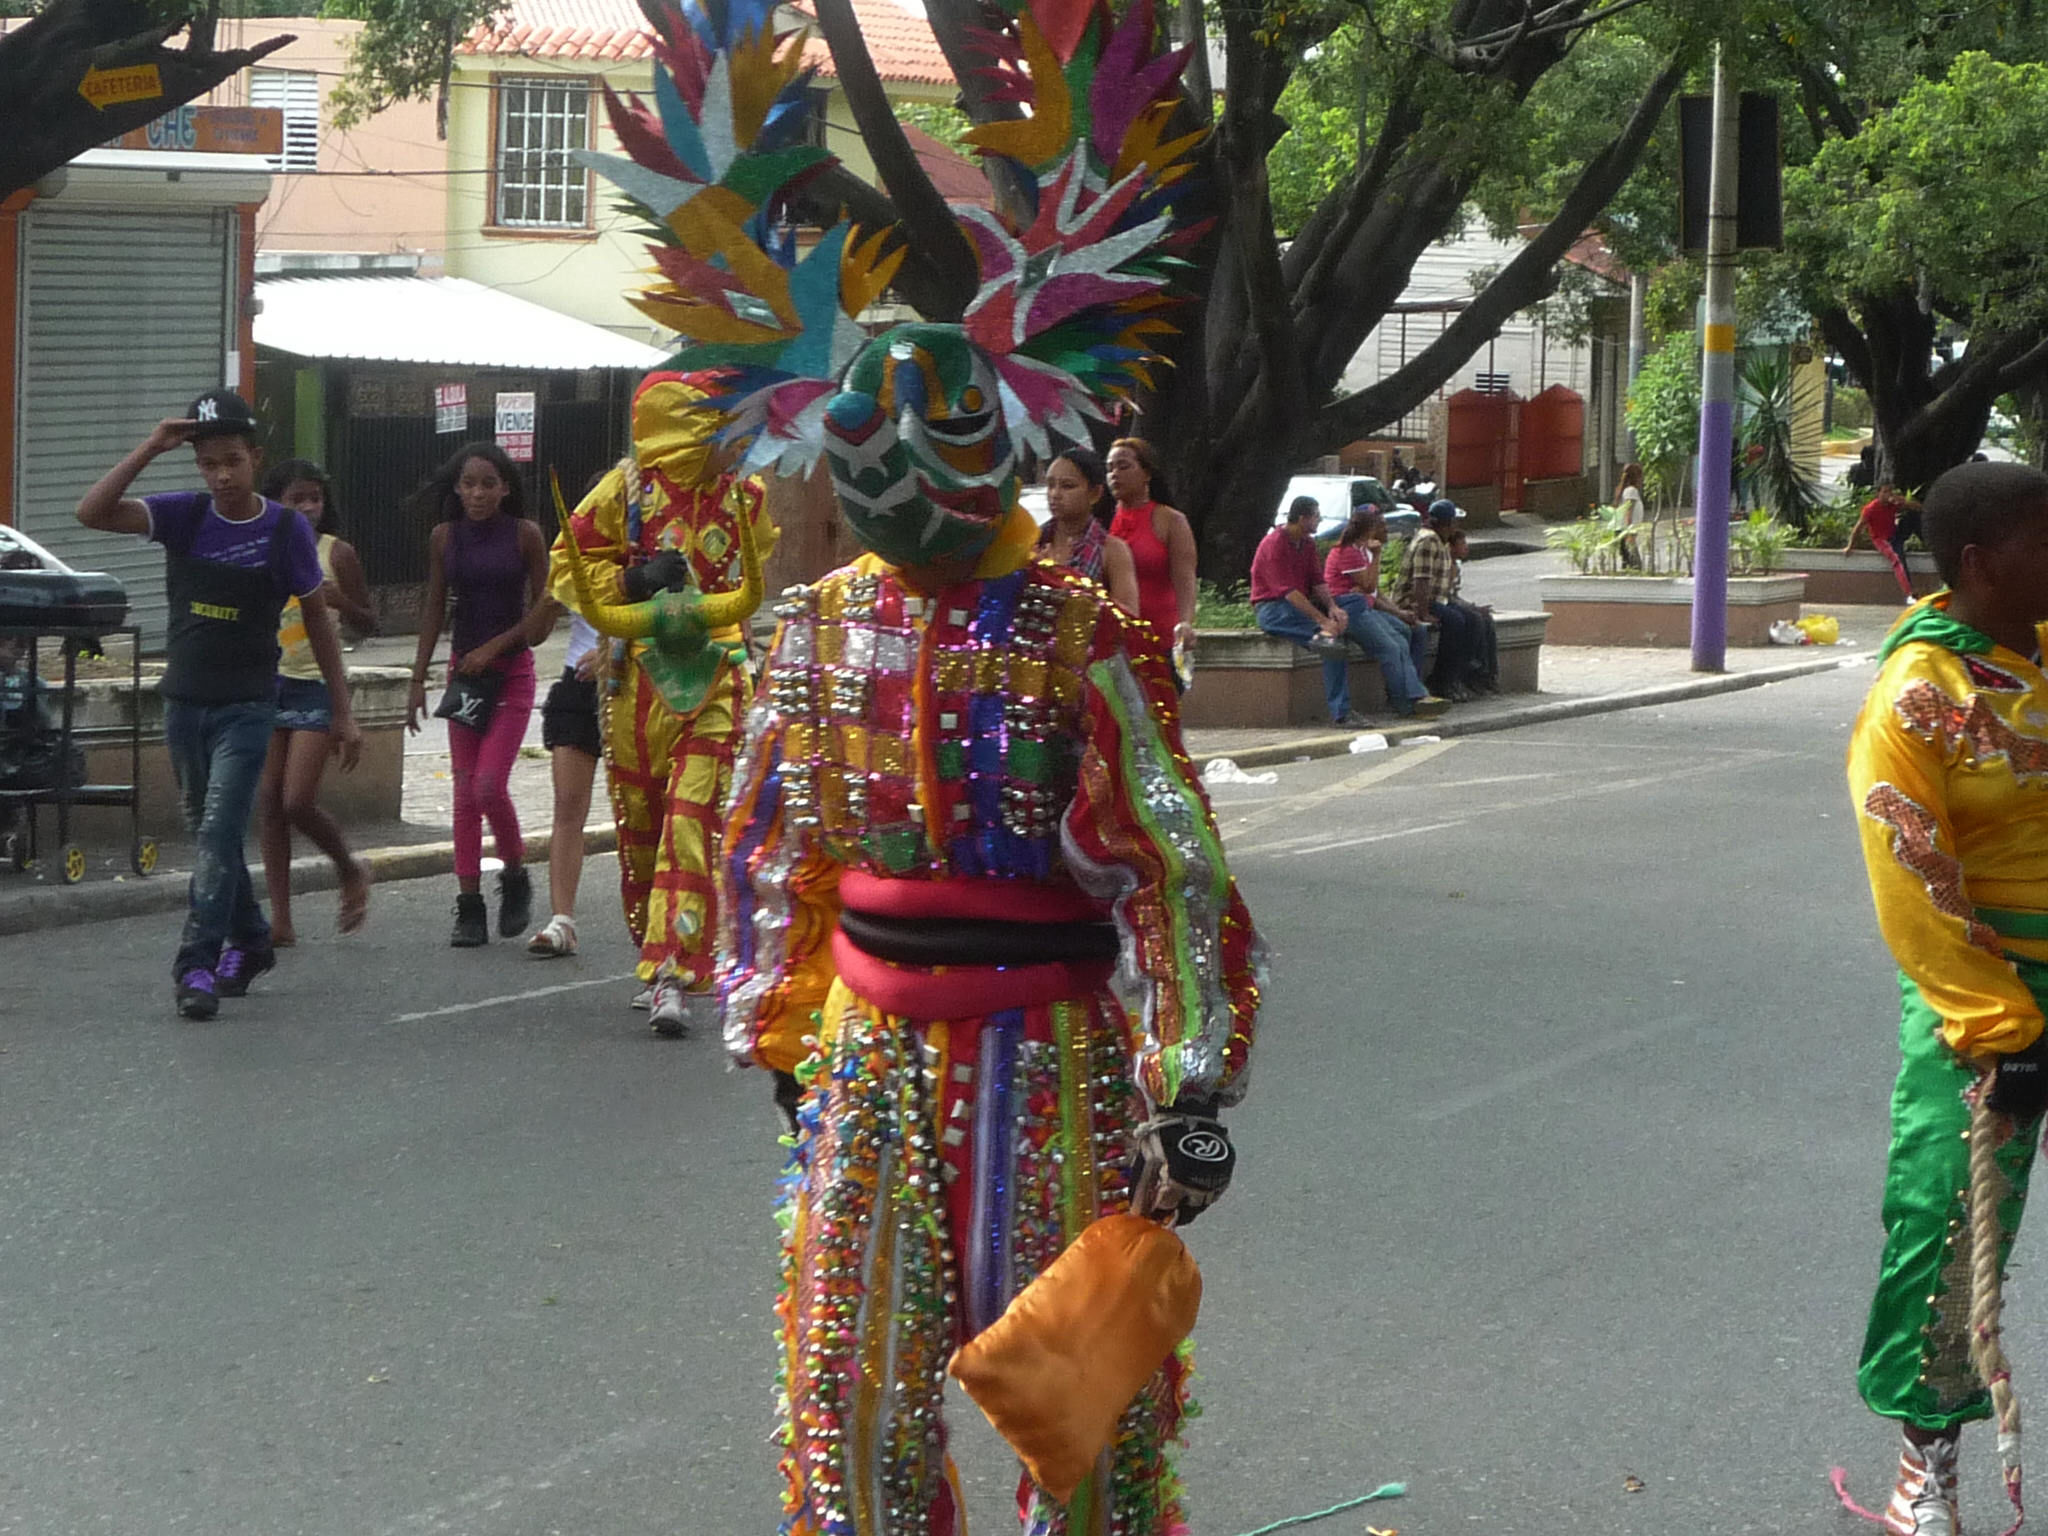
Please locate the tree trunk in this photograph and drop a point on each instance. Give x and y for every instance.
(1929, 416)
(45, 122)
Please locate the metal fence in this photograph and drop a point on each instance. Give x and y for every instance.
(384, 460)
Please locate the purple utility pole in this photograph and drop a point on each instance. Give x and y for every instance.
(1717, 395)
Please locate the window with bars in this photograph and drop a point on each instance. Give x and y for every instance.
(296, 93)
(540, 120)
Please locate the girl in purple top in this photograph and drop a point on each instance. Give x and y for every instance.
(492, 559)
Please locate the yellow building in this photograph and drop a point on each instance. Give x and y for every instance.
(523, 218)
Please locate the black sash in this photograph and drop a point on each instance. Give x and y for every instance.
(930, 941)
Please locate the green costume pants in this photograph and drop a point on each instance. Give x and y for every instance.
(1916, 1351)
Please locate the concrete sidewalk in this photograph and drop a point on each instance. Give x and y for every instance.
(1575, 681)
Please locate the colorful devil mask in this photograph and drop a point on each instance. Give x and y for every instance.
(922, 426)
(919, 454)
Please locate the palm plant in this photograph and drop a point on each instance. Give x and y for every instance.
(1769, 474)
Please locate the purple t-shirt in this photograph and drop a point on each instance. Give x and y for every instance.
(175, 515)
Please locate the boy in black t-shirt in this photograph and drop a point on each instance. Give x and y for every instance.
(231, 559)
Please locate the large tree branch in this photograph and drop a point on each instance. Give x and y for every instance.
(1358, 197)
(1525, 279)
(45, 122)
(1844, 336)
(1242, 142)
(929, 227)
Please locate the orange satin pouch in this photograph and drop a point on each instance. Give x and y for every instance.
(1057, 1370)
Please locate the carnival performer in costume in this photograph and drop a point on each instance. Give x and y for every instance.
(971, 887)
(1949, 769)
(669, 519)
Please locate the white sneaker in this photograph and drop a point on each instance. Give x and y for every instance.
(667, 1013)
(643, 999)
(558, 938)
(1924, 1501)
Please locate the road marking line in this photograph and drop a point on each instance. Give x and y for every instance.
(510, 997)
(1564, 1061)
(588, 1457)
(1400, 760)
(1290, 844)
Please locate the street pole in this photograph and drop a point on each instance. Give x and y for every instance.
(1717, 394)
(1638, 339)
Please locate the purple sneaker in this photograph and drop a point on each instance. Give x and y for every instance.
(238, 967)
(198, 997)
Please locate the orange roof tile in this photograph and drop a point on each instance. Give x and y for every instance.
(899, 38)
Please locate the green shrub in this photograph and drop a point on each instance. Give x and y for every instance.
(1224, 607)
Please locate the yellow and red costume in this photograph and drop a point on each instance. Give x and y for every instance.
(1949, 770)
(990, 760)
(668, 769)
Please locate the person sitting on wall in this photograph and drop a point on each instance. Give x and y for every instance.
(1483, 675)
(1290, 602)
(1428, 587)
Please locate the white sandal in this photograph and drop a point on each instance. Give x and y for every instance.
(558, 938)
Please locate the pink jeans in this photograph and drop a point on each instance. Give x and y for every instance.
(483, 771)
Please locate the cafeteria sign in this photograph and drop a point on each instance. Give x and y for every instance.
(515, 426)
(106, 88)
(451, 408)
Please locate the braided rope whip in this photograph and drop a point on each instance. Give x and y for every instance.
(1988, 1187)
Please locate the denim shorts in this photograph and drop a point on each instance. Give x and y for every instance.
(304, 704)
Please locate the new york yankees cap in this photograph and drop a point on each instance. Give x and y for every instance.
(222, 413)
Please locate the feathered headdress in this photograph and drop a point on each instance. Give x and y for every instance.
(1072, 286)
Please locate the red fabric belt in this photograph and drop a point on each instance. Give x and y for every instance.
(967, 991)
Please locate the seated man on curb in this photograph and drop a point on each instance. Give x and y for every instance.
(1428, 589)
(1485, 672)
(1290, 602)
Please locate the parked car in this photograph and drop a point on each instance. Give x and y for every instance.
(1332, 494)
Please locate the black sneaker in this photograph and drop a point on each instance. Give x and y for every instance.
(238, 967)
(472, 922)
(197, 997)
(515, 901)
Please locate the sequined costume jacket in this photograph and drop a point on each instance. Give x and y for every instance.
(1948, 767)
(958, 754)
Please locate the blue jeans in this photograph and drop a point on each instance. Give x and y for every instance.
(1399, 650)
(217, 752)
(1281, 619)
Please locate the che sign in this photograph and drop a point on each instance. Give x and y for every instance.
(515, 426)
(451, 408)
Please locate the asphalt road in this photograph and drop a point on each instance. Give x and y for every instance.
(1560, 1174)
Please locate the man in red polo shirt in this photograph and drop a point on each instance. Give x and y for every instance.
(1289, 600)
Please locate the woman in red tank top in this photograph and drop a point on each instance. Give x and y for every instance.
(1162, 544)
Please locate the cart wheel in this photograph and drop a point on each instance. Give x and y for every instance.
(142, 856)
(74, 863)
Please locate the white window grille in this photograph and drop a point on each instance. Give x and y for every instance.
(296, 93)
(540, 120)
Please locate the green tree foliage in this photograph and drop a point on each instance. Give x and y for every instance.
(405, 52)
(942, 120)
(1664, 416)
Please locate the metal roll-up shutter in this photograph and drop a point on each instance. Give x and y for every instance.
(124, 322)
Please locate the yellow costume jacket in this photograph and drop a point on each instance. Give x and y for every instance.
(1949, 769)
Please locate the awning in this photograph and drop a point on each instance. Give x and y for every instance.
(443, 320)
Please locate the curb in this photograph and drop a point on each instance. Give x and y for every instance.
(106, 900)
(1338, 744)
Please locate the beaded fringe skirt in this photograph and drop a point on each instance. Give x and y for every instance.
(940, 1166)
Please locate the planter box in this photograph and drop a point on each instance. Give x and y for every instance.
(1861, 577)
(1247, 678)
(1657, 610)
(374, 792)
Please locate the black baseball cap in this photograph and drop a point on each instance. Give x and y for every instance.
(221, 413)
